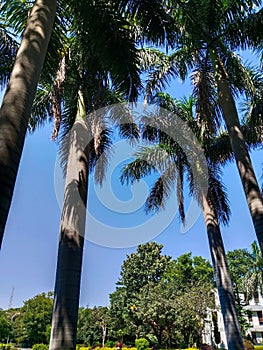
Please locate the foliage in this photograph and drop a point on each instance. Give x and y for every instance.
(40, 347)
(5, 326)
(146, 266)
(35, 315)
(8, 346)
(239, 262)
(89, 329)
(187, 270)
(246, 270)
(110, 343)
(141, 344)
(169, 308)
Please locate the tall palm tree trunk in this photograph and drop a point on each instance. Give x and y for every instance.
(223, 280)
(72, 232)
(243, 160)
(70, 251)
(18, 99)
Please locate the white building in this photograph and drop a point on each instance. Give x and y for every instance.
(211, 335)
(255, 318)
(217, 337)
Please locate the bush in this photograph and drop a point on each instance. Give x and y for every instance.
(142, 344)
(9, 346)
(110, 343)
(258, 347)
(40, 347)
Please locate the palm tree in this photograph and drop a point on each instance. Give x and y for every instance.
(169, 159)
(209, 33)
(18, 99)
(253, 280)
(86, 79)
(13, 127)
(91, 57)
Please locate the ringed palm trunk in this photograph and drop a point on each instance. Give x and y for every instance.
(18, 99)
(243, 160)
(223, 280)
(72, 232)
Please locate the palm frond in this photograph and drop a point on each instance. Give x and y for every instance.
(8, 50)
(247, 32)
(219, 149)
(217, 195)
(179, 189)
(238, 74)
(207, 110)
(99, 156)
(122, 117)
(16, 14)
(164, 68)
(107, 36)
(8, 46)
(41, 109)
(136, 170)
(158, 26)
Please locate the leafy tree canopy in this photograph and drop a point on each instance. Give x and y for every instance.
(34, 319)
(145, 266)
(187, 271)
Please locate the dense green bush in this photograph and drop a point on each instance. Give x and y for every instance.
(142, 344)
(110, 343)
(9, 346)
(40, 347)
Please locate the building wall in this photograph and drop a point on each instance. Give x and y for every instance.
(256, 322)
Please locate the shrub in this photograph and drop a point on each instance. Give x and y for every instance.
(110, 344)
(9, 346)
(258, 347)
(141, 344)
(40, 347)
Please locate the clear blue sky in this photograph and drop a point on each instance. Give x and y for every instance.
(28, 255)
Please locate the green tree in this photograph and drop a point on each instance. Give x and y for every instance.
(253, 280)
(187, 271)
(239, 262)
(146, 266)
(18, 99)
(155, 308)
(151, 291)
(246, 268)
(93, 326)
(33, 320)
(175, 311)
(84, 323)
(5, 326)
